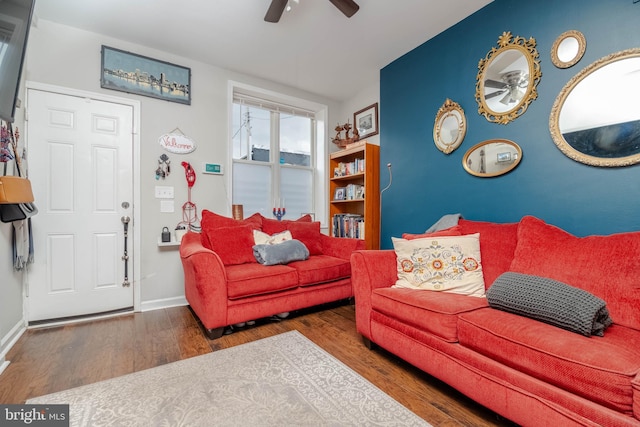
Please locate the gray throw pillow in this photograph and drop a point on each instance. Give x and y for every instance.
(550, 301)
(282, 253)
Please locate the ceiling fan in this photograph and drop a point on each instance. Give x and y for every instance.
(511, 85)
(348, 7)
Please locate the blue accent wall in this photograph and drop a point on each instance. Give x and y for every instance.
(427, 184)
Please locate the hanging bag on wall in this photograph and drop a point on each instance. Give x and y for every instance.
(16, 196)
(15, 189)
(17, 211)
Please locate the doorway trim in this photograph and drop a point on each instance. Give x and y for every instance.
(135, 105)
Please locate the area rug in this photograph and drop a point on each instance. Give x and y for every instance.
(284, 380)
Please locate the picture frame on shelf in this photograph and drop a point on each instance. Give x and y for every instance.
(366, 121)
(339, 194)
(504, 157)
(132, 73)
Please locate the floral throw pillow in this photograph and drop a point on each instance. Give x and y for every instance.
(446, 264)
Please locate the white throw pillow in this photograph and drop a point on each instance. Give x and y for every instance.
(262, 238)
(446, 264)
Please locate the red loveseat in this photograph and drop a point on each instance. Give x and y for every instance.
(530, 372)
(225, 285)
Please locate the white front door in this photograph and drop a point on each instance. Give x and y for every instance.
(81, 170)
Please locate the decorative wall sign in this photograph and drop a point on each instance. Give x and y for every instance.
(177, 143)
(131, 73)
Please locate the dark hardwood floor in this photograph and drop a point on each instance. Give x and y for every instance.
(48, 360)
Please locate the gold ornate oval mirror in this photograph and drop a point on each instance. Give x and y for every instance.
(507, 79)
(568, 49)
(492, 158)
(450, 127)
(596, 117)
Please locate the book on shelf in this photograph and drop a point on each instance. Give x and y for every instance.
(348, 225)
(350, 168)
(354, 192)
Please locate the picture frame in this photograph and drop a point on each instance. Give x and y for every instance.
(137, 74)
(366, 121)
(503, 157)
(339, 193)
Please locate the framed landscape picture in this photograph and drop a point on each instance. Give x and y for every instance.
(366, 121)
(132, 73)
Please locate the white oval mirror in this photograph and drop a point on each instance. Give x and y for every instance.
(492, 158)
(596, 117)
(568, 49)
(507, 79)
(450, 127)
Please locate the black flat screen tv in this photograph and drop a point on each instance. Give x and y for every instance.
(15, 21)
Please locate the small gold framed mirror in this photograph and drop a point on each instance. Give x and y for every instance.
(568, 49)
(492, 158)
(507, 79)
(450, 127)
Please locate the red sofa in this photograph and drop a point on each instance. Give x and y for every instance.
(530, 372)
(225, 285)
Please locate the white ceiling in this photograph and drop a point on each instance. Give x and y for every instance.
(314, 47)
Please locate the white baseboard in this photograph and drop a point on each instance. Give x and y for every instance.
(3, 365)
(163, 303)
(9, 340)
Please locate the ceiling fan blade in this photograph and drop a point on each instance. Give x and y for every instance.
(348, 7)
(494, 94)
(275, 10)
(495, 84)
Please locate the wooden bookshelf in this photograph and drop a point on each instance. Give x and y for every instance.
(359, 173)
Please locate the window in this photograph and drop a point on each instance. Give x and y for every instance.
(274, 156)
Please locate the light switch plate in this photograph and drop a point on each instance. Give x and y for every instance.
(163, 192)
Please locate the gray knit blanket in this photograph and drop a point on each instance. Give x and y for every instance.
(551, 302)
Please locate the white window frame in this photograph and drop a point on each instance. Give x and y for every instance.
(319, 152)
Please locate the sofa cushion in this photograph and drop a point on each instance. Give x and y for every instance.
(446, 264)
(211, 222)
(281, 253)
(600, 369)
(434, 312)
(309, 234)
(272, 226)
(302, 229)
(606, 266)
(451, 231)
(497, 245)
(550, 301)
(255, 279)
(321, 269)
(234, 245)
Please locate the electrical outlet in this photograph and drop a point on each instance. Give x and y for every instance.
(164, 192)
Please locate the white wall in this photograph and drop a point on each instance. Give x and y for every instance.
(364, 98)
(64, 56)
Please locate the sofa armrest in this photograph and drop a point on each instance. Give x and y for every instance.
(340, 247)
(205, 281)
(370, 269)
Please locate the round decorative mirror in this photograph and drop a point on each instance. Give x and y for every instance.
(450, 127)
(492, 158)
(568, 49)
(596, 117)
(507, 79)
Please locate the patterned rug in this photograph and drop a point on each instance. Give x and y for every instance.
(284, 380)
